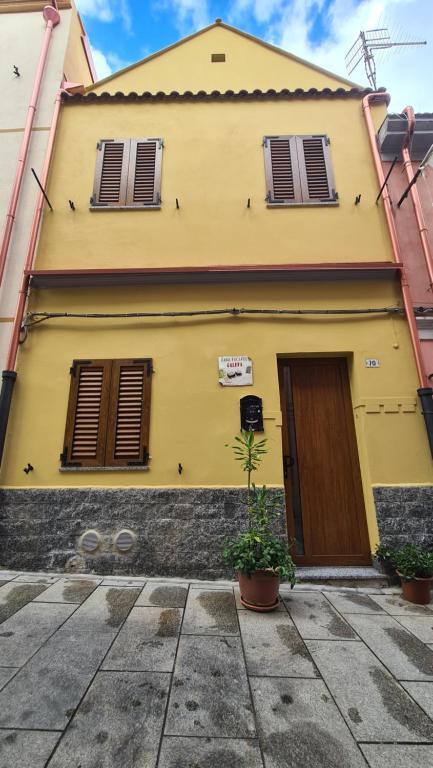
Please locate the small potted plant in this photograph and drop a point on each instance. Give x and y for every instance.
(385, 557)
(260, 558)
(415, 568)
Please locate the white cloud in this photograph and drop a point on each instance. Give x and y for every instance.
(107, 11)
(102, 66)
(406, 72)
(189, 15)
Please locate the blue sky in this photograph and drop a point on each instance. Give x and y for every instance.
(124, 31)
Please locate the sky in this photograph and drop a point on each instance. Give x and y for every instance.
(321, 31)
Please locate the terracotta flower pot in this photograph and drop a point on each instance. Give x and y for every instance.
(417, 591)
(259, 591)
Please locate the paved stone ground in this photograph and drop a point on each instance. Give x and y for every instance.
(100, 672)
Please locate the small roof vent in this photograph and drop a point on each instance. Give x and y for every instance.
(218, 57)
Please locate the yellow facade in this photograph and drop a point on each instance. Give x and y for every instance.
(212, 163)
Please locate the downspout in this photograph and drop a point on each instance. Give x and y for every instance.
(425, 392)
(52, 17)
(416, 202)
(9, 375)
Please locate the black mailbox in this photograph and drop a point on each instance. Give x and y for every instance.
(251, 413)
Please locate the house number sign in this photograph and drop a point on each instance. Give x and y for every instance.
(372, 362)
(235, 371)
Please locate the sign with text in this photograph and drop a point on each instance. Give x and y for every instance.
(235, 371)
(372, 362)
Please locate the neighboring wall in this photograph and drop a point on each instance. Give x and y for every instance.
(21, 36)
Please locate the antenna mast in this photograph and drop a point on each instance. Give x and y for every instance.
(369, 41)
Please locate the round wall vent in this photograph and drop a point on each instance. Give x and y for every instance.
(90, 541)
(124, 540)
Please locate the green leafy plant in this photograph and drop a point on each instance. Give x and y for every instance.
(385, 554)
(258, 548)
(413, 562)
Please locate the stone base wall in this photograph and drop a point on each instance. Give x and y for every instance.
(179, 532)
(405, 515)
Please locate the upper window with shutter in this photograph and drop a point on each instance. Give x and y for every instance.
(299, 171)
(108, 414)
(128, 174)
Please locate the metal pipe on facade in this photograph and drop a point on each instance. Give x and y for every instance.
(416, 202)
(9, 375)
(387, 204)
(52, 17)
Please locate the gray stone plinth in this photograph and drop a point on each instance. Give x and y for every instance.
(180, 532)
(404, 514)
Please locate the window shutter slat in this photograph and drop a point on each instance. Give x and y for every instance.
(87, 413)
(282, 176)
(128, 421)
(315, 169)
(111, 173)
(144, 178)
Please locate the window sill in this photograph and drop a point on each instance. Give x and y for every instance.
(144, 468)
(332, 203)
(94, 208)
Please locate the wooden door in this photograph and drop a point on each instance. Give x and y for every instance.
(324, 498)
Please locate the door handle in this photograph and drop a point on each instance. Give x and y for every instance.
(288, 461)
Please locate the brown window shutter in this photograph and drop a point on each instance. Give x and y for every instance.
(129, 413)
(315, 169)
(86, 421)
(111, 174)
(282, 175)
(144, 178)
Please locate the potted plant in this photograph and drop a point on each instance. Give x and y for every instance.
(260, 558)
(385, 557)
(415, 568)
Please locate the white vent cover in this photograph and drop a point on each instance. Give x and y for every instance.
(90, 541)
(124, 540)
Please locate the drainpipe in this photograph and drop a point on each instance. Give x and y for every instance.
(52, 17)
(425, 392)
(9, 375)
(416, 202)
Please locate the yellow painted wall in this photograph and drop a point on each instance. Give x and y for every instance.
(213, 162)
(249, 64)
(192, 416)
(76, 67)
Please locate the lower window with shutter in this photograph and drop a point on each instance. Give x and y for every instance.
(108, 416)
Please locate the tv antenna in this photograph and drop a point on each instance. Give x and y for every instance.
(363, 49)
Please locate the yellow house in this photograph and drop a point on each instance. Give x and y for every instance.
(215, 258)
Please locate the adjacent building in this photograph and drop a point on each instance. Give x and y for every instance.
(224, 263)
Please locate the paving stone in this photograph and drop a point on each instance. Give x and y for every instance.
(406, 657)
(300, 726)
(183, 752)
(374, 705)
(420, 626)
(68, 591)
(163, 595)
(104, 611)
(26, 749)
(354, 602)
(273, 646)
(45, 693)
(395, 605)
(8, 575)
(24, 633)
(2, 583)
(315, 617)
(122, 581)
(118, 723)
(398, 755)
(423, 695)
(37, 578)
(14, 596)
(210, 694)
(6, 673)
(147, 641)
(210, 612)
(217, 584)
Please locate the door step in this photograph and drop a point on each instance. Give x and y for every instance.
(343, 576)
